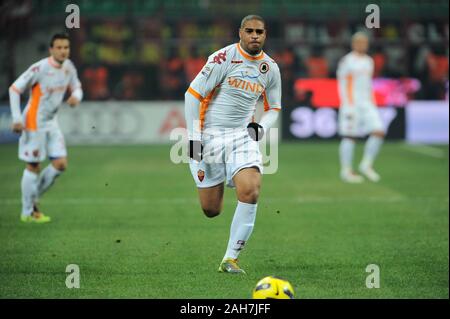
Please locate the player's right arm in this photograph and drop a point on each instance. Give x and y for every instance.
(211, 75)
(23, 82)
(14, 101)
(345, 82)
(192, 111)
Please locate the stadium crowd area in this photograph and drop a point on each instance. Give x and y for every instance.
(151, 50)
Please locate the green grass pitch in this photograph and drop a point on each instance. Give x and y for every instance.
(130, 219)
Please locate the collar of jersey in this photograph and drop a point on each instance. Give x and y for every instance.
(248, 56)
(356, 55)
(53, 63)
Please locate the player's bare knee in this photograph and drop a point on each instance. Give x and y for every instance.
(349, 138)
(249, 195)
(60, 165)
(379, 134)
(34, 167)
(211, 212)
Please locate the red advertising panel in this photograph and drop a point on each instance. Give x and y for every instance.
(387, 92)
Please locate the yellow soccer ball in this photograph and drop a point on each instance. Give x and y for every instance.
(272, 287)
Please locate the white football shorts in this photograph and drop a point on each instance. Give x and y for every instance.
(35, 146)
(225, 153)
(360, 120)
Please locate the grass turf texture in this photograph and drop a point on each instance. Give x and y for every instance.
(132, 222)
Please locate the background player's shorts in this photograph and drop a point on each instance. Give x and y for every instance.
(35, 146)
(359, 120)
(225, 153)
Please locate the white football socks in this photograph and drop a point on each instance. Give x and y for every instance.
(241, 228)
(29, 187)
(47, 177)
(371, 150)
(346, 150)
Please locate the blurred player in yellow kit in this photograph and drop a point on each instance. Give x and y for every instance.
(48, 81)
(219, 105)
(358, 115)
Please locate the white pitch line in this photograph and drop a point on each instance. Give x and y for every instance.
(426, 150)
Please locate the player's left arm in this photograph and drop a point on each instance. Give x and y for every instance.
(272, 99)
(372, 71)
(272, 106)
(75, 87)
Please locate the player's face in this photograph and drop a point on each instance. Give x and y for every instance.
(60, 50)
(253, 36)
(360, 45)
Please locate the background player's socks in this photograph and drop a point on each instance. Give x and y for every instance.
(346, 150)
(241, 228)
(47, 177)
(29, 191)
(371, 150)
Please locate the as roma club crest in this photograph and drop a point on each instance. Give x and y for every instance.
(263, 67)
(200, 175)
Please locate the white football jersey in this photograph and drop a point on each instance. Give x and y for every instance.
(354, 75)
(47, 82)
(230, 84)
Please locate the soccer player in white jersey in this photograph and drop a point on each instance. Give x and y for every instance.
(221, 99)
(358, 115)
(47, 80)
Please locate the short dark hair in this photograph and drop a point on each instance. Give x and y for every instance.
(252, 17)
(58, 36)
